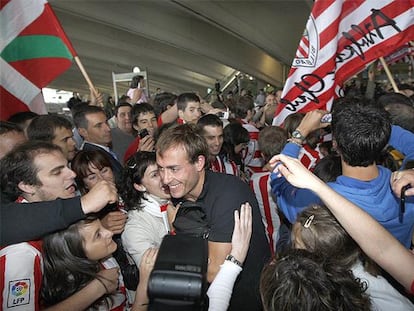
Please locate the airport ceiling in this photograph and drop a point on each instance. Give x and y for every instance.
(182, 45)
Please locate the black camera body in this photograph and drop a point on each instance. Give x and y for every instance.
(179, 278)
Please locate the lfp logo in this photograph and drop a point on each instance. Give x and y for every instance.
(20, 288)
(19, 293)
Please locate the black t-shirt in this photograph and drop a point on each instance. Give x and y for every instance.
(222, 194)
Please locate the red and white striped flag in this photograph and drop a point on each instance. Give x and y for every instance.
(341, 37)
(34, 50)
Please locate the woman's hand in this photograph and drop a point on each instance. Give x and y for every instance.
(242, 232)
(294, 172)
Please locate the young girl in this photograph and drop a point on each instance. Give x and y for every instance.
(317, 231)
(75, 257)
(146, 200)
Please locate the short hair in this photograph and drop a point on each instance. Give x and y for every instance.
(121, 105)
(299, 280)
(18, 165)
(162, 101)
(244, 104)
(271, 141)
(140, 108)
(7, 127)
(209, 119)
(361, 131)
(328, 168)
(184, 98)
(187, 136)
(21, 117)
(81, 161)
(43, 127)
(80, 116)
(133, 172)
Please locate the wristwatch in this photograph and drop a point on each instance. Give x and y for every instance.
(298, 135)
(234, 260)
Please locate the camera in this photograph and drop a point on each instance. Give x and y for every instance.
(179, 278)
(143, 133)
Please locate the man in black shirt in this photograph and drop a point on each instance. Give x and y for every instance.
(182, 155)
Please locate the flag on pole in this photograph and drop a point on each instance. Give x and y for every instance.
(341, 38)
(34, 50)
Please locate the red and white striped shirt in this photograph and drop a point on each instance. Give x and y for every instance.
(21, 276)
(117, 301)
(222, 165)
(309, 157)
(260, 184)
(252, 157)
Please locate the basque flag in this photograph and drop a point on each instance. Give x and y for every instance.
(34, 50)
(341, 38)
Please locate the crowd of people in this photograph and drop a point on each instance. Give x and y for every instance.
(311, 215)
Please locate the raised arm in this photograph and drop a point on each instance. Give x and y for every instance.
(373, 239)
(38, 219)
(220, 290)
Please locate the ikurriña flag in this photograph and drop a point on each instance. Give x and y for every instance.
(34, 50)
(341, 38)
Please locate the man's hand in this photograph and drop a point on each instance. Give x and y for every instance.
(294, 172)
(115, 221)
(312, 121)
(99, 196)
(146, 144)
(399, 179)
(96, 98)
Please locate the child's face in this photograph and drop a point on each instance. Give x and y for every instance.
(97, 241)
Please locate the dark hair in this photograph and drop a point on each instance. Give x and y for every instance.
(271, 141)
(135, 81)
(234, 134)
(361, 131)
(79, 117)
(299, 280)
(18, 166)
(184, 98)
(6, 127)
(121, 105)
(209, 119)
(244, 104)
(137, 110)
(80, 165)
(394, 98)
(328, 168)
(21, 117)
(321, 233)
(401, 114)
(186, 136)
(43, 127)
(162, 101)
(292, 121)
(133, 172)
(66, 267)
